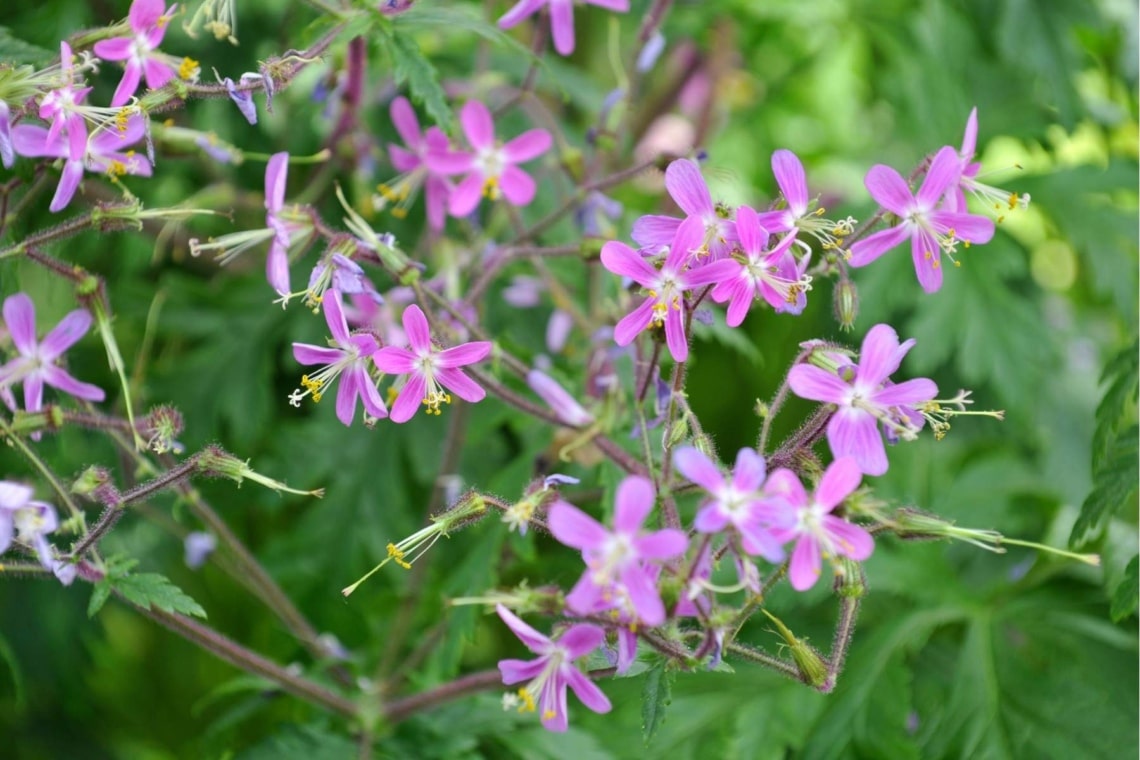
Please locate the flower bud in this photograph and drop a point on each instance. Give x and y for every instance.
(850, 582)
(845, 304)
(812, 667)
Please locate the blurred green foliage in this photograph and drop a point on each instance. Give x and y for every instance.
(959, 653)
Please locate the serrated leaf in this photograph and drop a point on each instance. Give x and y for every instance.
(1114, 483)
(312, 742)
(1121, 374)
(1124, 599)
(16, 51)
(415, 70)
(99, 595)
(655, 699)
(156, 592)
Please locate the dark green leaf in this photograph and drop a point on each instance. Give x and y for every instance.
(1125, 597)
(1114, 484)
(1119, 402)
(310, 742)
(656, 698)
(99, 595)
(415, 70)
(14, 50)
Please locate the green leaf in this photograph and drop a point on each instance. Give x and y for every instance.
(1124, 599)
(16, 51)
(1114, 484)
(655, 698)
(99, 595)
(414, 69)
(1119, 402)
(154, 591)
(312, 742)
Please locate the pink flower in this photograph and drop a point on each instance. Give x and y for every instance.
(665, 302)
(560, 402)
(102, 152)
(553, 670)
(771, 274)
(688, 189)
(818, 533)
(411, 162)
(866, 398)
(798, 215)
(61, 105)
(286, 226)
(1000, 200)
(148, 20)
(32, 521)
(429, 370)
(561, 18)
(348, 360)
(616, 574)
(490, 168)
(737, 502)
(931, 231)
(35, 364)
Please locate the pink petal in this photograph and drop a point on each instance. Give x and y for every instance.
(864, 251)
(710, 519)
(409, 400)
(436, 194)
(927, 255)
(574, 528)
(743, 294)
(817, 384)
(972, 227)
(633, 503)
(477, 124)
(20, 318)
(393, 360)
(114, 49)
(713, 272)
(68, 183)
(970, 137)
(661, 544)
(695, 465)
(369, 394)
(581, 639)
(785, 484)
(276, 173)
(277, 267)
(759, 542)
(878, 356)
(653, 231)
(839, 480)
(532, 639)
(64, 335)
(58, 378)
(748, 474)
(643, 596)
(855, 433)
(675, 337)
(145, 14)
(556, 397)
(889, 189)
(621, 6)
(515, 671)
(157, 73)
(909, 393)
(461, 385)
(847, 539)
(334, 317)
(462, 355)
(405, 121)
(562, 25)
(466, 195)
(128, 85)
(417, 330)
(526, 146)
(443, 161)
(622, 260)
(32, 141)
(803, 570)
(633, 323)
(777, 221)
(753, 236)
(520, 11)
(346, 397)
(588, 692)
(586, 596)
(34, 392)
(518, 187)
(792, 181)
(687, 187)
(402, 160)
(688, 240)
(306, 353)
(944, 171)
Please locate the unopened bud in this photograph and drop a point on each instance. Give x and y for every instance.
(705, 445)
(850, 582)
(846, 304)
(812, 667)
(91, 480)
(217, 462)
(677, 433)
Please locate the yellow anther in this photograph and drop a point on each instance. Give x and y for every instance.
(122, 116)
(188, 69)
(399, 213)
(392, 394)
(398, 557)
(116, 169)
(1013, 201)
(527, 701)
(491, 188)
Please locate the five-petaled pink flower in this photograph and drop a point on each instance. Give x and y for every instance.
(429, 369)
(665, 299)
(616, 574)
(411, 161)
(490, 168)
(931, 230)
(553, 670)
(818, 533)
(31, 521)
(772, 274)
(561, 18)
(736, 502)
(148, 20)
(104, 151)
(866, 398)
(798, 215)
(348, 360)
(688, 189)
(994, 197)
(36, 363)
